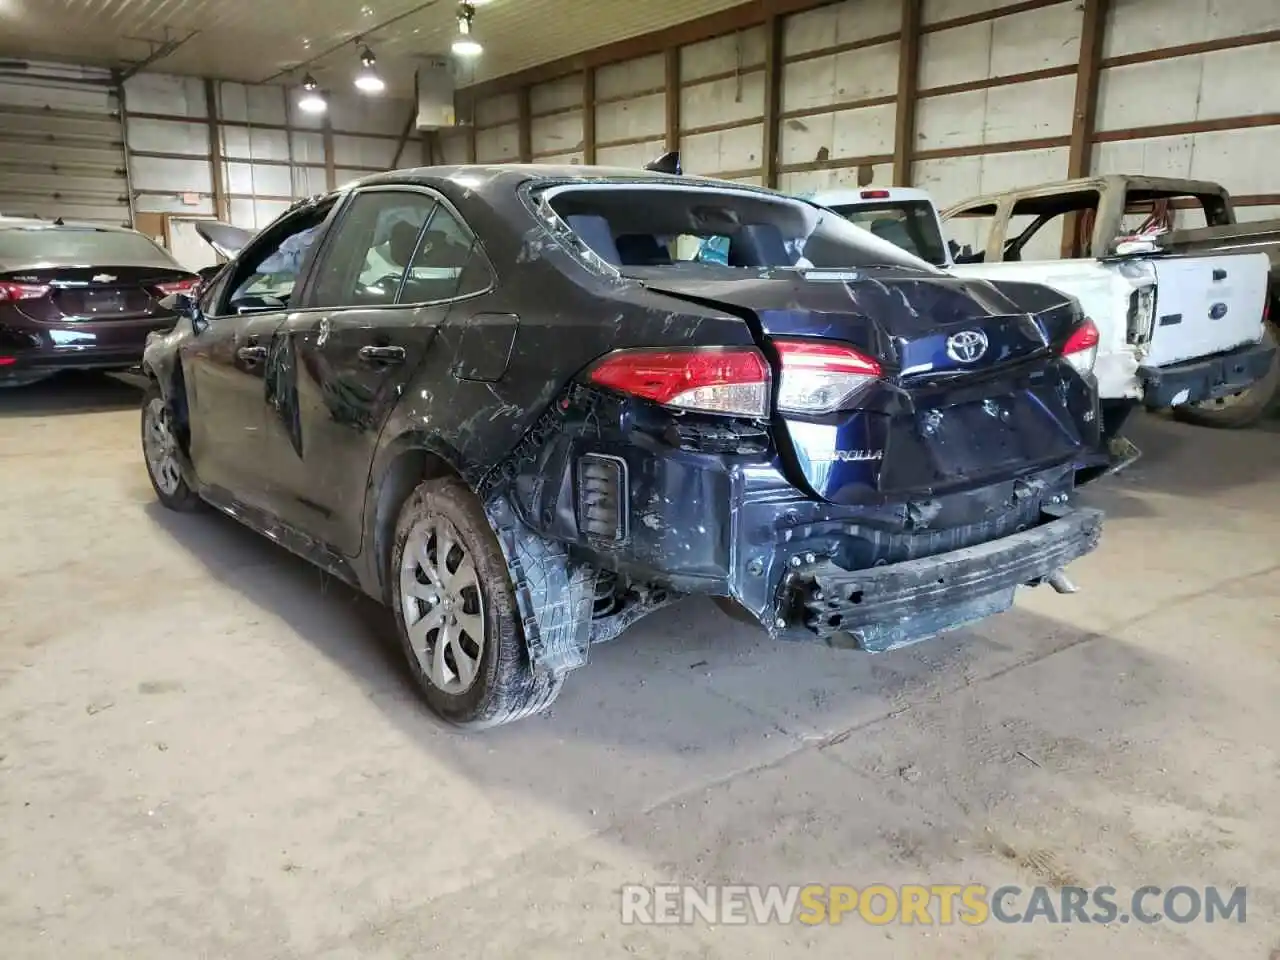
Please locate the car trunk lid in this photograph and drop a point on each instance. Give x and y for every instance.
(971, 388)
(99, 293)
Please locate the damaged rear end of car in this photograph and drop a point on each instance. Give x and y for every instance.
(884, 453)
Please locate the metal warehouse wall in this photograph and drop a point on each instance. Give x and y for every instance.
(61, 144)
(244, 153)
(960, 97)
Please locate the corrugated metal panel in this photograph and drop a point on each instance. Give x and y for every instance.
(62, 146)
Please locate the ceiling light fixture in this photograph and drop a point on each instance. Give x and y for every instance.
(367, 79)
(312, 100)
(466, 45)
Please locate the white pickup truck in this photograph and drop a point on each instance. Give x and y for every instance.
(1176, 331)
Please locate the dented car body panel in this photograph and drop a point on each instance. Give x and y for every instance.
(313, 422)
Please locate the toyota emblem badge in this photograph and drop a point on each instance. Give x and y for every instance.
(967, 346)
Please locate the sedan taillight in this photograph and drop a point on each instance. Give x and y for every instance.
(820, 377)
(22, 291)
(1081, 348)
(726, 380)
(177, 286)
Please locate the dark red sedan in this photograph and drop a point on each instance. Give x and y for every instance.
(79, 296)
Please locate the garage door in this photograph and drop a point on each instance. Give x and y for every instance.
(61, 144)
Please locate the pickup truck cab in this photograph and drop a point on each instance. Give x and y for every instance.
(1175, 330)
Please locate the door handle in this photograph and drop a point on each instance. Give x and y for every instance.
(252, 354)
(382, 354)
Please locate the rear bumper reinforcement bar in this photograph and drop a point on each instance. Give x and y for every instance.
(897, 604)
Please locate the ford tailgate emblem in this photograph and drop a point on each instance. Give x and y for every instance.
(102, 278)
(967, 346)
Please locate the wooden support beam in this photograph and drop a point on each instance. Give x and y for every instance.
(404, 134)
(773, 65)
(1086, 103)
(589, 115)
(673, 97)
(330, 161)
(1085, 111)
(526, 126)
(221, 208)
(904, 133)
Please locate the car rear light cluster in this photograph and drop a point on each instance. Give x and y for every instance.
(725, 380)
(1081, 348)
(177, 286)
(820, 377)
(22, 291)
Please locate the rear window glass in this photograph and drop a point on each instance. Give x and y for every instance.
(637, 225)
(70, 246)
(911, 225)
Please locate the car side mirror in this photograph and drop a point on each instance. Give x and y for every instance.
(188, 306)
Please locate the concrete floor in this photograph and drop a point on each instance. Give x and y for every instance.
(208, 750)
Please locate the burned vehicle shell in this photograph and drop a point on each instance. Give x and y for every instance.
(538, 381)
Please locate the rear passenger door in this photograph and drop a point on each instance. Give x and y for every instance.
(384, 283)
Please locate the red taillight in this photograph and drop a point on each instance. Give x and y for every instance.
(875, 194)
(22, 291)
(821, 377)
(177, 286)
(726, 380)
(8, 361)
(1081, 348)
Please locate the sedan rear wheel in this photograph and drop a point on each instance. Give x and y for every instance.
(456, 612)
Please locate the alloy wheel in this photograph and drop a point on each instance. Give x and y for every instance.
(160, 448)
(442, 605)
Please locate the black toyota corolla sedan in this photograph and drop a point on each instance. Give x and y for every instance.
(526, 405)
(79, 296)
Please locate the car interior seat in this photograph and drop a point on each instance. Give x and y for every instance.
(594, 231)
(642, 250)
(759, 245)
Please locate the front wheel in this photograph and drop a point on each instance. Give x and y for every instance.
(160, 451)
(456, 612)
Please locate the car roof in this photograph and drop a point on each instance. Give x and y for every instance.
(483, 178)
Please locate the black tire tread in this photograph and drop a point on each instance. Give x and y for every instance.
(184, 500)
(508, 688)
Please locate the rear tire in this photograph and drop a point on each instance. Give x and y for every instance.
(1239, 410)
(456, 614)
(160, 453)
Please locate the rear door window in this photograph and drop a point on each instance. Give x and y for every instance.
(373, 244)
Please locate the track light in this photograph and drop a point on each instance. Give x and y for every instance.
(466, 45)
(367, 79)
(312, 100)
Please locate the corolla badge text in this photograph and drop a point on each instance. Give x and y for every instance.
(851, 456)
(967, 346)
